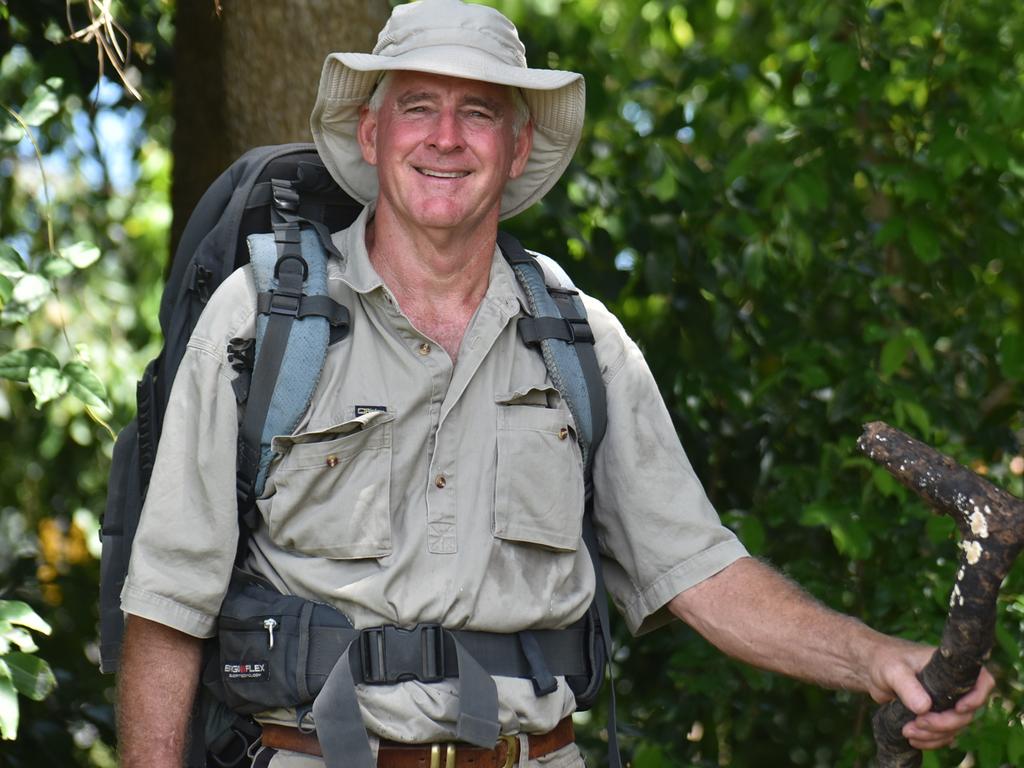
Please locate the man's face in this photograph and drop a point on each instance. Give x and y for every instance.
(444, 149)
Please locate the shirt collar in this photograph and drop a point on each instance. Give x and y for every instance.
(357, 271)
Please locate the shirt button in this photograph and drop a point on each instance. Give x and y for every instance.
(424, 349)
(440, 481)
(563, 433)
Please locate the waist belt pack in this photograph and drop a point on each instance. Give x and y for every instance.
(283, 651)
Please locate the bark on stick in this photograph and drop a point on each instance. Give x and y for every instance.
(991, 525)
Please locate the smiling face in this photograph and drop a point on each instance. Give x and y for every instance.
(444, 149)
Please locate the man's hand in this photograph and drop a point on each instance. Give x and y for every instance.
(894, 674)
(754, 614)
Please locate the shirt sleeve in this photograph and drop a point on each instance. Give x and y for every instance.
(657, 529)
(185, 545)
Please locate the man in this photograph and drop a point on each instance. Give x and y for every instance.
(431, 480)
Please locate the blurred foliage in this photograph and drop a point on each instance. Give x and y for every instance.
(84, 178)
(809, 216)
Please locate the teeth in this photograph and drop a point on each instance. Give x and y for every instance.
(443, 174)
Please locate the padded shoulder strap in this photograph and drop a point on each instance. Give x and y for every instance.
(559, 327)
(289, 354)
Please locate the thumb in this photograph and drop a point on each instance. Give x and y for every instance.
(910, 691)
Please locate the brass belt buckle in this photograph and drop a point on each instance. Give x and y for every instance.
(449, 756)
(512, 756)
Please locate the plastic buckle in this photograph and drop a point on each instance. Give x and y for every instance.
(580, 331)
(392, 655)
(285, 198)
(449, 756)
(285, 303)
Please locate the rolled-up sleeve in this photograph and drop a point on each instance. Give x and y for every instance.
(657, 529)
(185, 545)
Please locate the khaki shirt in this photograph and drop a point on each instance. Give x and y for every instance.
(418, 491)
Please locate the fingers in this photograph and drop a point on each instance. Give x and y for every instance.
(977, 696)
(935, 730)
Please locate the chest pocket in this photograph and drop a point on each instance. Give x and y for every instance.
(538, 494)
(329, 494)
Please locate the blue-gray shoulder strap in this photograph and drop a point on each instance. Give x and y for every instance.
(290, 271)
(558, 320)
(559, 326)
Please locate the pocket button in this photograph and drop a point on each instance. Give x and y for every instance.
(563, 433)
(332, 461)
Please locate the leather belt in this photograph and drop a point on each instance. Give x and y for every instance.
(393, 754)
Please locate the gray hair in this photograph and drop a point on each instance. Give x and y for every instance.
(520, 109)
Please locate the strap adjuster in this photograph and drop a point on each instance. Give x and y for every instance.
(285, 303)
(392, 655)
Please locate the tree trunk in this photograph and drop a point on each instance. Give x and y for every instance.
(248, 75)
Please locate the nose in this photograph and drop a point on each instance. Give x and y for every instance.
(447, 134)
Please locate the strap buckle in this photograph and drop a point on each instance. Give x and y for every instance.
(449, 756)
(392, 654)
(512, 753)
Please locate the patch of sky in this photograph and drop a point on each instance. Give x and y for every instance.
(625, 259)
(639, 117)
(685, 135)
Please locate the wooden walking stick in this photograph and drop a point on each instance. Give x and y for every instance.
(991, 525)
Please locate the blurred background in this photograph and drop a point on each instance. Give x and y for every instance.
(809, 214)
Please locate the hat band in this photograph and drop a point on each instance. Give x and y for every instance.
(455, 37)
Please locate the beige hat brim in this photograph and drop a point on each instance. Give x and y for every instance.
(555, 98)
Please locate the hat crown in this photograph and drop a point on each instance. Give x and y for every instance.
(431, 23)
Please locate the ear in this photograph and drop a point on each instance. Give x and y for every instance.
(521, 153)
(366, 134)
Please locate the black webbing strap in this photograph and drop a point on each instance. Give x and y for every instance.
(428, 653)
(533, 329)
(601, 601)
(291, 271)
(571, 307)
(307, 306)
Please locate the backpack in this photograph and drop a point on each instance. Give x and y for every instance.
(286, 190)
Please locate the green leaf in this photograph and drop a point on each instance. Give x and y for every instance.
(886, 484)
(32, 676)
(81, 254)
(41, 106)
(6, 290)
(921, 349)
(47, 384)
(1011, 356)
(916, 414)
(842, 64)
(16, 365)
(11, 264)
(894, 354)
(923, 240)
(940, 528)
(31, 290)
(890, 231)
(20, 637)
(1015, 740)
(752, 534)
(54, 268)
(17, 612)
(8, 704)
(85, 385)
(848, 533)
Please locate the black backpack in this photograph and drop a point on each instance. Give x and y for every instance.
(213, 245)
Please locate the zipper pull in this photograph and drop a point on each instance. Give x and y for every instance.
(270, 625)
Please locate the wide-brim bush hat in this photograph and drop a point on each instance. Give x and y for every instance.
(449, 37)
